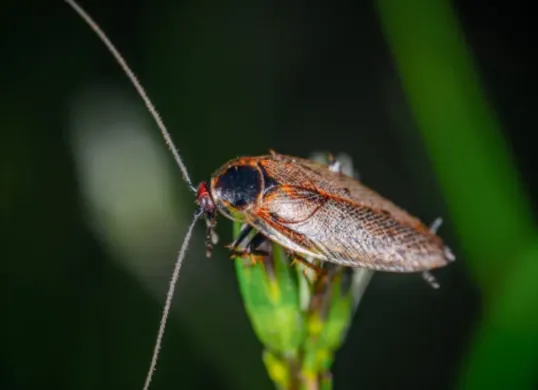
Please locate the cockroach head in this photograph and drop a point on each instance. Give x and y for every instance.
(203, 199)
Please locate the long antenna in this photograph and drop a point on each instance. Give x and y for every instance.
(168, 302)
(168, 139)
(139, 88)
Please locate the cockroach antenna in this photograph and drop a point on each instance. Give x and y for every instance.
(168, 139)
(139, 88)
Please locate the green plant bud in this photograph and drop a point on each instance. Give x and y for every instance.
(270, 293)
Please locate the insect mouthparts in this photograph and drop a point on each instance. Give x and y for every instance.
(208, 208)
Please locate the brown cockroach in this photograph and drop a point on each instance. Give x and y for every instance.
(311, 209)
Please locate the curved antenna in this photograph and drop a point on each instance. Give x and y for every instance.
(168, 139)
(134, 80)
(168, 302)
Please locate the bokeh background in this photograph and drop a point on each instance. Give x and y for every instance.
(433, 100)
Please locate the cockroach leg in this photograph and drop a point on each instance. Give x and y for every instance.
(430, 279)
(334, 164)
(254, 243)
(436, 224)
(211, 237)
(318, 271)
(254, 257)
(278, 157)
(426, 275)
(275, 155)
(248, 253)
(245, 231)
(251, 248)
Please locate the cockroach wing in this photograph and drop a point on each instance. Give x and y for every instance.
(316, 176)
(338, 230)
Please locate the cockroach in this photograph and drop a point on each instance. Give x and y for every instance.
(312, 210)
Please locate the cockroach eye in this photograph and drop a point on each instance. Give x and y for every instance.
(239, 186)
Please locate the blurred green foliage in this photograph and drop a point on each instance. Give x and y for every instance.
(237, 79)
(491, 214)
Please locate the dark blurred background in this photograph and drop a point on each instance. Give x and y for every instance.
(93, 208)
